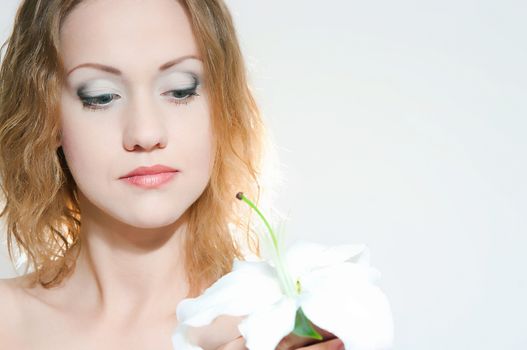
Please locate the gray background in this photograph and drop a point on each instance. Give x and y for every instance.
(401, 125)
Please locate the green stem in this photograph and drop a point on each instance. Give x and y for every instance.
(303, 325)
(242, 197)
(287, 282)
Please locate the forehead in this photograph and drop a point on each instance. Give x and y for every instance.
(126, 33)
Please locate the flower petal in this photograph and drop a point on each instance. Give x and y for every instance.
(303, 256)
(219, 332)
(343, 300)
(265, 328)
(180, 339)
(249, 286)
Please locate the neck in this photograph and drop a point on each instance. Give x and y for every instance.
(130, 273)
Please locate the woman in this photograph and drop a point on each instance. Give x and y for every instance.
(126, 129)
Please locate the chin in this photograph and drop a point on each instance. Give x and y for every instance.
(152, 219)
(133, 214)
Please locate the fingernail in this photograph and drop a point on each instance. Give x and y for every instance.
(339, 345)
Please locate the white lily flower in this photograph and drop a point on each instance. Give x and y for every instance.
(334, 287)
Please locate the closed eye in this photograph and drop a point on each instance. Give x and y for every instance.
(182, 96)
(103, 101)
(98, 102)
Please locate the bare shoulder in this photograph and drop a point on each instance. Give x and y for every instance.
(10, 310)
(8, 297)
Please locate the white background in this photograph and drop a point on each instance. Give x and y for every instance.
(401, 125)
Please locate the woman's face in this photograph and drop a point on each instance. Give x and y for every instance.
(126, 104)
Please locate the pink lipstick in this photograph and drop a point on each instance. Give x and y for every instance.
(150, 177)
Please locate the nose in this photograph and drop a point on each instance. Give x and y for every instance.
(144, 126)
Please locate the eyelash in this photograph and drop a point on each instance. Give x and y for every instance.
(87, 101)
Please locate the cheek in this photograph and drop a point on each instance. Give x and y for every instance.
(190, 140)
(201, 153)
(87, 148)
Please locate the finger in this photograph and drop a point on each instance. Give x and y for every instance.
(293, 341)
(236, 344)
(333, 344)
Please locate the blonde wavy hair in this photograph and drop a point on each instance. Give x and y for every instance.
(41, 213)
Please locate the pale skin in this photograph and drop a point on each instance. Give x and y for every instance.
(129, 278)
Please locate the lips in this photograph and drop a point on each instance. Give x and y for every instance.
(150, 177)
(152, 170)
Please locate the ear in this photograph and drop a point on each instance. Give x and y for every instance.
(58, 142)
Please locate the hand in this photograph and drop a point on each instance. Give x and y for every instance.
(294, 342)
(329, 341)
(333, 344)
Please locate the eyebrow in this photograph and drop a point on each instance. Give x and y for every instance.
(116, 71)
